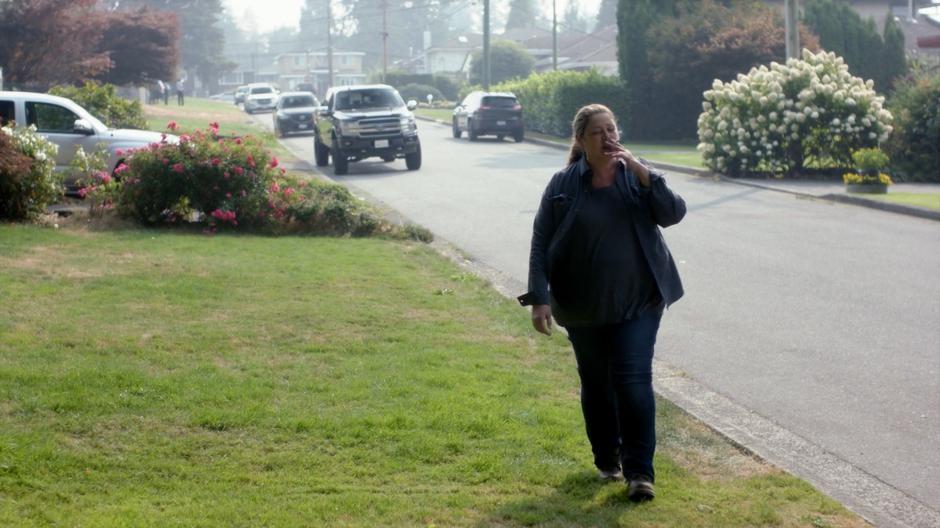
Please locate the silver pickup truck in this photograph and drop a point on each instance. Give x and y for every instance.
(70, 126)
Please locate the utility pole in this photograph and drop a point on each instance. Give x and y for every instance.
(329, 44)
(486, 45)
(384, 40)
(911, 11)
(554, 37)
(792, 29)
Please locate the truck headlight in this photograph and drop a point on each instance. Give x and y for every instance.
(408, 124)
(348, 128)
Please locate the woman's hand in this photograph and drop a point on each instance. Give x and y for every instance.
(616, 151)
(542, 318)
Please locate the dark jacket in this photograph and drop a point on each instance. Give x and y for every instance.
(651, 207)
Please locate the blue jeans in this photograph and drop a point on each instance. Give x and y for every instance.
(615, 364)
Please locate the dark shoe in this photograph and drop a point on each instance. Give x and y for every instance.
(611, 474)
(640, 488)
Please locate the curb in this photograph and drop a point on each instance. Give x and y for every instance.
(908, 210)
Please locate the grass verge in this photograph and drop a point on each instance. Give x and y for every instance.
(925, 200)
(155, 378)
(198, 113)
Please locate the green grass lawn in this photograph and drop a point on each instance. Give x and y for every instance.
(158, 378)
(926, 200)
(442, 114)
(198, 113)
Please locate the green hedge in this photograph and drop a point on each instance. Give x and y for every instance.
(102, 101)
(550, 100)
(914, 146)
(447, 88)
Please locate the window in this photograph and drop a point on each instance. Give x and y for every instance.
(499, 102)
(6, 112)
(50, 117)
(378, 98)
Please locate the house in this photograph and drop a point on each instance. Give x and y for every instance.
(295, 68)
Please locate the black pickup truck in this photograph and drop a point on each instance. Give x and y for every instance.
(364, 121)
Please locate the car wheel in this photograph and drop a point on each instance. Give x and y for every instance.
(456, 129)
(500, 137)
(340, 163)
(519, 135)
(413, 160)
(321, 153)
(471, 133)
(277, 130)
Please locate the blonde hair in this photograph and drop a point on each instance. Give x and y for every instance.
(579, 125)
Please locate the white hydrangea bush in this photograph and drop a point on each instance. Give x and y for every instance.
(42, 185)
(781, 118)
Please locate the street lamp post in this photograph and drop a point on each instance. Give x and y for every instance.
(554, 37)
(792, 30)
(486, 45)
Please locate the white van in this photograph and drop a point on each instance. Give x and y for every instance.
(70, 126)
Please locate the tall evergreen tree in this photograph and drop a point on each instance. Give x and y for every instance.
(606, 14)
(893, 56)
(841, 30)
(522, 13)
(634, 18)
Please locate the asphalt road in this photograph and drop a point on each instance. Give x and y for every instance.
(823, 318)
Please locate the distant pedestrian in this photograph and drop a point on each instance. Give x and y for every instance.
(160, 92)
(599, 265)
(180, 86)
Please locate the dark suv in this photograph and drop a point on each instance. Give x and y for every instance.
(363, 121)
(295, 112)
(489, 113)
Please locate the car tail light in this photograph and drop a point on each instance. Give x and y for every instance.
(485, 107)
(517, 106)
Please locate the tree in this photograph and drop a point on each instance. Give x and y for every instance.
(634, 18)
(708, 40)
(142, 46)
(522, 13)
(842, 31)
(202, 41)
(572, 21)
(606, 14)
(508, 60)
(45, 42)
(893, 57)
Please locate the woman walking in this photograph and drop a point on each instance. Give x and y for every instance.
(599, 265)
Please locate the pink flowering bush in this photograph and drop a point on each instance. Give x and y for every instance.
(225, 184)
(224, 180)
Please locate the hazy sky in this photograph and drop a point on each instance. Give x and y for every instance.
(270, 14)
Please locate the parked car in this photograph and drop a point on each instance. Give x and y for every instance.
(295, 112)
(240, 93)
(260, 97)
(489, 113)
(68, 125)
(362, 121)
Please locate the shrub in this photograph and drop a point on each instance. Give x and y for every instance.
(225, 183)
(780, 119)
(419, 92)
(915, 144)
(102, 101)
(201, 173)
(550, 100)
(28, 181)
(869, 160)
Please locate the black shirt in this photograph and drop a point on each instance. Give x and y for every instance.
(607, 278)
